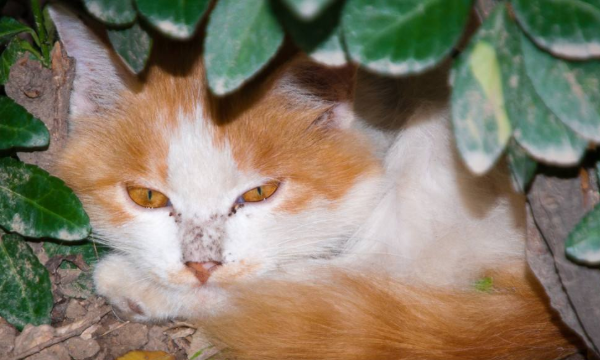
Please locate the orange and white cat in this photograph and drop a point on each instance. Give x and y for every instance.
(291, 221)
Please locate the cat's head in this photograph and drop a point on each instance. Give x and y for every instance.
(180, 181)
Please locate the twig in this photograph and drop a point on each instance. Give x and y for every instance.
(111, 330)
(68, 331)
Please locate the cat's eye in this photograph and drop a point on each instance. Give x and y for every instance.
(147, 198)
(260, 193)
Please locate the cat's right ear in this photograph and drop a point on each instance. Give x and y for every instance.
(313, 85)
(98, 81)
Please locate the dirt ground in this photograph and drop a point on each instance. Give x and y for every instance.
(85, 327)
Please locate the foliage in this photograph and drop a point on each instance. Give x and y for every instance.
(25, 296)
(32, 202)
(583, 243)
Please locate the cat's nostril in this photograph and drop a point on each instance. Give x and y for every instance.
(202, 270)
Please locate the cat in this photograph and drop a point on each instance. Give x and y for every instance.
(318, 213)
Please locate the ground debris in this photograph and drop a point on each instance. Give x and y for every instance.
(8, 335)
(81, 349)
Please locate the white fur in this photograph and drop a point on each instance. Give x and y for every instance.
(438, 223)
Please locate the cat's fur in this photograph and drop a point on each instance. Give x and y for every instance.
(369, 248)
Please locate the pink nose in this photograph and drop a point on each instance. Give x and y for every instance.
(202, 270)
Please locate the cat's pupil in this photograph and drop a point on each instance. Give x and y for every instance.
(259, 190)
(149, 195)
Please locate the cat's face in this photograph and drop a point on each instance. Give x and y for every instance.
(171, 176)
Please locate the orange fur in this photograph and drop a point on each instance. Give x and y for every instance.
(279, 134)
(370, 317)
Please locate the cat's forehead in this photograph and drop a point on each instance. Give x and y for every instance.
(213, 145)
(203, 175)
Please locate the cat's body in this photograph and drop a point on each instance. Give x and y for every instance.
(369, 247)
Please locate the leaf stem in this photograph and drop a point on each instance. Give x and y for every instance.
(25, 45)
(41, 31)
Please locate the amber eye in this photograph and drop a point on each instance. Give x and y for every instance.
(260, 193)
(147, 198)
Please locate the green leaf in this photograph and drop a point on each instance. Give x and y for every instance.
(176, 18)
(583, 243)
(481, 124)
(35, 204)
(537, 129)
(133, 45)
(307, 9)
(241, 37)
(10, 27)
(403, 37)
(112, 12)
(25, 289)
(569, 89)
(568, 28)
(199, 352)
(522, 167)
(18, 128)
(485, 285)
(89, 250)
(51, 35)
(320, 38)
(9, 56)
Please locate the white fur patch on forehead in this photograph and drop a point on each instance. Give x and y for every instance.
(203, 176)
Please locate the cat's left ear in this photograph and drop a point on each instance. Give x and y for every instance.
(99, 81)
(313, 85)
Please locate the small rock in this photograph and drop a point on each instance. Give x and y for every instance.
(157, 339)
(82, 349)
(32, 336)
(104, 354)
(55, 352)
(128, 337)
(7, 337)
(59, 309)
(75, 310)
(133, 334)
(67, 276)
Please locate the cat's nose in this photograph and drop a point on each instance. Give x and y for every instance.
(202, 270)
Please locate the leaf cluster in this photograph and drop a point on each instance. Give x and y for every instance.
(33, 204)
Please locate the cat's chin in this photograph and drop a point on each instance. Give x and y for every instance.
(137, 296)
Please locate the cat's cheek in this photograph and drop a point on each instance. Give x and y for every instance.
(152, 244)
(114, 279)
(134, 296)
